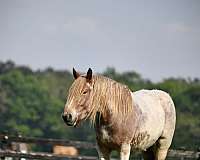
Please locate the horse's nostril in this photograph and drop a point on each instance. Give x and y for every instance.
(64, 117)
(69, 117)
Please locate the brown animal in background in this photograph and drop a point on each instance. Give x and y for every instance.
(65, 150)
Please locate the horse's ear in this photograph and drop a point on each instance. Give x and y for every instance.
(89, 75)
(76, 74)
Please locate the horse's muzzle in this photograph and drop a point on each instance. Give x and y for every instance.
(67, 118)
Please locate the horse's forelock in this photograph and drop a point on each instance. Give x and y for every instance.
(76, 87)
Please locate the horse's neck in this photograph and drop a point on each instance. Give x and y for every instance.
(118, 128)
(107, 115)
(107, 119)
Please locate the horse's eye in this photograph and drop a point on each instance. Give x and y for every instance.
(84, 92)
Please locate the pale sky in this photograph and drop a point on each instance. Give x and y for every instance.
(156, 38)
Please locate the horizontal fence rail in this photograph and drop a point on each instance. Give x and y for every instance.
(20, 139)
(78, 144)
(38, 155)
(184, 154)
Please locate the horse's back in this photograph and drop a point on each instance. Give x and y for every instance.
(153, 107)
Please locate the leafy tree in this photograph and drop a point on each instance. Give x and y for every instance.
(31, 103)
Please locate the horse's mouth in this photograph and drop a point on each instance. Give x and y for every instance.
(71, 123)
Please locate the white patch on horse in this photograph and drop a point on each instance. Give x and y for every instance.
(105, 135)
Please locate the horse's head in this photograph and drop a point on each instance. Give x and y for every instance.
(77, 107)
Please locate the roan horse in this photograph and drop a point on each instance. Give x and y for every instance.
(123, 120)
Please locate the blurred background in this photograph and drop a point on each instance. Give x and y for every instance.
(143, 44)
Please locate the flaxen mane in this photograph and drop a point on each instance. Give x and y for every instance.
(106, 93)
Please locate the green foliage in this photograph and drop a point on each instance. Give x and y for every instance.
(28, 105)
(31, 103)
(131, 79)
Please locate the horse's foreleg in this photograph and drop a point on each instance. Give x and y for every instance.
(125, 151)
(104, 153)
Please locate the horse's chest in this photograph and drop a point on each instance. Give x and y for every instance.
(104, 135)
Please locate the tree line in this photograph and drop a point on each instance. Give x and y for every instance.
(31, 103)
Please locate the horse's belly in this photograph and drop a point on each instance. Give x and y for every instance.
(151, 119)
